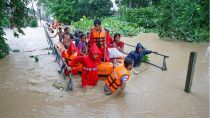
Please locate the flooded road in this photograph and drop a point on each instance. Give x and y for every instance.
(27, 86)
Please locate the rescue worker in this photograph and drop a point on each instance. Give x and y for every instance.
(69, 55)
(90, 63)
(138, 54)
(117, 80)
(101, 37)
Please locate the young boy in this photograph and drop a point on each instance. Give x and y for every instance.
(119, 77)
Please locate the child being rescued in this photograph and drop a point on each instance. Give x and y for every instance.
(117, 80)
(82, 45)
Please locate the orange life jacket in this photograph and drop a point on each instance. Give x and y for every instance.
(114, 80)
(99, 37)
(71, 57)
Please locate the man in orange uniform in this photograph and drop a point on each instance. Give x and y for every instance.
(90, 63)
(119, 77)
(69, 55)
(101, 37)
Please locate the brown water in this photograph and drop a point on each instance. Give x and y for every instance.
(27, 91)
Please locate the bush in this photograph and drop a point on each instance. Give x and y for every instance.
(33, 23)
(184, 20)
(113, 24)
(4, 48)
(144, 17)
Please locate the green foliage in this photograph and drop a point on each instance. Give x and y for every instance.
(67, 11)
(177, 19)
(113, 24)
(15, 18)
(136, 3)
(144, 17)
(184, 20)
(33, 23)
(145, 58)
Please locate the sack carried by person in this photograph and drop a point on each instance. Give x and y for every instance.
(114, 53)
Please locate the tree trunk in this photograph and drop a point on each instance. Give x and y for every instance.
(130, 3)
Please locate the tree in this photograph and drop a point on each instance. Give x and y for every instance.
(136, 3)
(67, 11)
(184, 19)
(15, 12)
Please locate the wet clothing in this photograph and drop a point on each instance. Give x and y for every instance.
(69, 57)
(119, 75)
(99, 38)
(89, 70)
(137, 56)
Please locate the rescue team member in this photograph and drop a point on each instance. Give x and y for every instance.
(117, 80)
(138, 54)
(101, 37)
(69, 55)
(90, 63)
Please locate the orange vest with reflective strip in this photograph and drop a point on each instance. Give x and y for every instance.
(114, 80)
(98, 37)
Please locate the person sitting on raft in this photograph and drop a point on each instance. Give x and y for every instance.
(101, 37)
(138, 54)
(70, 55)
(117, 43)
(90, 63)
(67, 37)
(119, 77)
(82, 45)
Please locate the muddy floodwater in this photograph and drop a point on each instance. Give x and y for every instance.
(27, 91)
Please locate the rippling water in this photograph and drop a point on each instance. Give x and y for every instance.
(27, 91)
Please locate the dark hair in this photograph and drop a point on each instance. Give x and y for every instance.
(97, 22)
(127, 62)
(66, 28)
(82, 35)
(116, 34)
